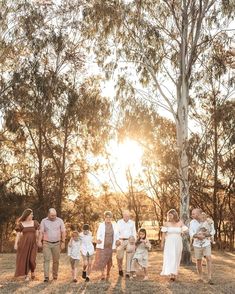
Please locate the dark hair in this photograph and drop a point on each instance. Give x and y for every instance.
(141, 231)
(86, 227)
(25, 214)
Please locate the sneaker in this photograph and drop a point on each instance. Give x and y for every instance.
(121, 273)
(133, 276)
(83, 274)
(46, 280)
(87, 279)
(26, 278)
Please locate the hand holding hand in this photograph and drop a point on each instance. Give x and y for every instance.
(62, 245)
(39, 244)
(118, 243)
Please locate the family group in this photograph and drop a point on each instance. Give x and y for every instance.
(120, 237)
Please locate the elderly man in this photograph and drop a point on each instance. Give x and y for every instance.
(125, 229)
(201, 243)
(52, 239)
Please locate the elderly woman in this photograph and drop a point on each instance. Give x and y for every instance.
(106, 239)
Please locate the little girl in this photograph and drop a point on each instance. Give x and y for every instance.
(87, 250)
(130, 251)
(74, 247)
(140, 257)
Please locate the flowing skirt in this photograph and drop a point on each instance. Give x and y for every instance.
(172, 254)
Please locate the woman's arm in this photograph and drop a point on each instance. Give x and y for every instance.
(163, 240)
(18, 234)
(99, 234)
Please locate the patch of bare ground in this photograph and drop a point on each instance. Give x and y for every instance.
(187, 283)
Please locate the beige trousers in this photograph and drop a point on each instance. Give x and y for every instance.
(120, 253)
(51, 249)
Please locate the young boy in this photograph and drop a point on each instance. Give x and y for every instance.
(87, 250)
(74, 248)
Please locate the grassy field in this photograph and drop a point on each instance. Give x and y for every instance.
(223, 267)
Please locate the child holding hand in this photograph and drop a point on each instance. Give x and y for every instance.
(74, 248)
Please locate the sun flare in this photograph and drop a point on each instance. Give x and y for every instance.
(129, 154)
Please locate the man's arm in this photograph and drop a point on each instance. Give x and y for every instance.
(192, 230)
(134, 230)
(40, 234)
(63, 235)
(118, 233)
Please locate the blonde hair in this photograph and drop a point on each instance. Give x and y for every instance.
(175, 214)
(75, 234)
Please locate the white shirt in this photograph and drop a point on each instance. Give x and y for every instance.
(101, 235)
(74, 249)
(126, 229)
(87, 247)
(194, 227)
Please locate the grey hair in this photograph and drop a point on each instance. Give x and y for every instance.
(52, 210)
(108, 213)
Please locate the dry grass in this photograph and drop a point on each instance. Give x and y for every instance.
(223, 264)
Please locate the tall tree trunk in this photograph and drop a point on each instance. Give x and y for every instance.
(215, 188)
(62, 172)
(182, 142)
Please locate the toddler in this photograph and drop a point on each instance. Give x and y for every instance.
(130, 251)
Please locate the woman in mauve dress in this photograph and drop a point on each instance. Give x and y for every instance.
(26, 245)
(106, 239)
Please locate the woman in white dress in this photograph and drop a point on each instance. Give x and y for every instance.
(172, 244)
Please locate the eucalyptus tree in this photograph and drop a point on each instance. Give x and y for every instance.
(52, 103)
(156, 44)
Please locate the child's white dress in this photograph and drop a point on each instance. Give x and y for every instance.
(172, 249)
(141, 254)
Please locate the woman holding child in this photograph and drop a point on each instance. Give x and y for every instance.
(106, 240)
(172, 244)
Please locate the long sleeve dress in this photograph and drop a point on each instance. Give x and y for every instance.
(172, 249)
(140, 257)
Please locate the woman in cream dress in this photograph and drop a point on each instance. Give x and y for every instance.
(172, 244)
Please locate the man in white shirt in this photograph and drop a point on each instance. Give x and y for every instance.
(201, 244)
(125, 229)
